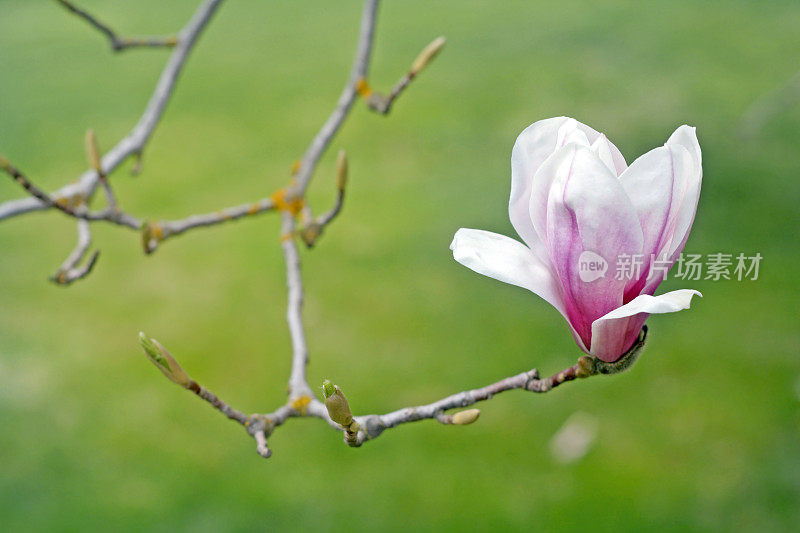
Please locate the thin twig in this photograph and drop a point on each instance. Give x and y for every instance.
(119, 43)
(73, 201)
(258, 426)
(313, 227)
(154, 233)
(79, 211)
(69, 271)
(359, 71)
(14, 173)
(217, 404)
(383, 104)
(373, 425)
(135, 141)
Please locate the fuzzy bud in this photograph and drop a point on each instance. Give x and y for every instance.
(427, 55)
(92, 152)
(336, 403)
(341, 170)
(164, 361)
(310, 233)
(462, 418)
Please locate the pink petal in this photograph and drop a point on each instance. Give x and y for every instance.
(663, 185)
(615, 332)
(587, 210)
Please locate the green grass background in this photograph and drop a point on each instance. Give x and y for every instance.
(704, 432)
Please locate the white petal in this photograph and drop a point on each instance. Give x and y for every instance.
(686, 137)
(569, 132)
(656, 184)
(507, 260)
(664, 185)
(602, 148)
(616, 327)
(532, 147)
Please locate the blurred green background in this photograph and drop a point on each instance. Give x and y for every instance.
(702, 434)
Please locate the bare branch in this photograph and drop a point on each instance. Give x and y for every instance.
(61, 204)
(119, 43)
(154, 233)
(359, 71)
(258, 426)
(297, 380)
(74, 206)
(216, 403)
(313, 228)
(135, 141)
(383, 104)
(261, 444)
(69, 271)
(73, 200)
(373, 425)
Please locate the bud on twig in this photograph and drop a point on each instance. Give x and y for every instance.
(4, 164)
(310, 233)
(341, 170)
(586, 367)
(336, 403)
(164, 361)
(427, 55)
(92, 152)
(462, 418)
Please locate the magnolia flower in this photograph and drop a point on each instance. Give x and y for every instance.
(579, 208)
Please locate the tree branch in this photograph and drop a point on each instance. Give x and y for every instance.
(298, 386)
(371, 426)
(119, 43)
(359, 71)
(75, 206)
(69, 270)
(73, 200)
(315, 226)
(135, 141)
(383, 104)
(154, 233)
(290, 202)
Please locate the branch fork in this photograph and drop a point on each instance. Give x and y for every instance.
(297, 221)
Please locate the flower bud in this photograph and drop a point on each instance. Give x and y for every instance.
(336, 403)
(582, 231)
(92, 152)
(427, 55)
(341, 170)
(164, 361)
(328, 389)
(310, 233)
(462, 418)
